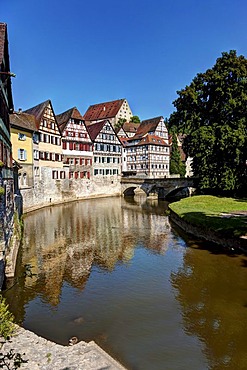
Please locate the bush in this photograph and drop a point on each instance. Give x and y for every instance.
(6, 319)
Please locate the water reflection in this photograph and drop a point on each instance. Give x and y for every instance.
(62, 243)
(113, 271)
(211, 289)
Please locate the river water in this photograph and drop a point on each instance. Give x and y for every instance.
(115, 271)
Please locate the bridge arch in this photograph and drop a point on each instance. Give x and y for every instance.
(129, 191)
(179, 191)
(164, 187)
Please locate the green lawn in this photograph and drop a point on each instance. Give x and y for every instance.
(227, 216)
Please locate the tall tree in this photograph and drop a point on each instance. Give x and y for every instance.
(212, 111)
(176, 164)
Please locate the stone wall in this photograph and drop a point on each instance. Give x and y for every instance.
(209, 235)
(48, 191)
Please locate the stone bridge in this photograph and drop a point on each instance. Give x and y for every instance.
(163, 187)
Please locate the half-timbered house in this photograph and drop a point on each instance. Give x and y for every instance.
(107, 149)
(148, 151)
(50, 148)
(6, 169)
(76, 144)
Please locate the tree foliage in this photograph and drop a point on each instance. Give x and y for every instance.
(135, 119)
(176, 164)
(212, 111)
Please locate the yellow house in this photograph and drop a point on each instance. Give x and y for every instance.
(23, 134)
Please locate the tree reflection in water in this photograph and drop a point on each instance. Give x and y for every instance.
(211, 289)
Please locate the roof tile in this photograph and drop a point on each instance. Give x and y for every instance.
(103, 110)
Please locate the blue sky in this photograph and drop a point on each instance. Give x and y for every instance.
(83, 52)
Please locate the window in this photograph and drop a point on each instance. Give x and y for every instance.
(21, 136)
(62, 174)
(55, 175)
(41, 155)
(36, 171)
(22, 154)
(24, 179)
(36, 154)
(36, 138)
(47, 138)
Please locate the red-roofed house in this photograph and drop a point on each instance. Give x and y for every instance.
(107, 150)
(76, 143)
(148, 151)
(112, 111)
(50, 149)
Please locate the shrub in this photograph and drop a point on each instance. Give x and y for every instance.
(6, 319)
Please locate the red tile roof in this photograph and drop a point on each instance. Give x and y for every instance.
(63, 118)
(147, 126)
(131, 127)
(124, 141)
(95, 128)
(103, 110)
(38, 111)
(23, 120)
(152, 139)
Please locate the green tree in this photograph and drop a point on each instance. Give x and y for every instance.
(135, 119)
(212, 111)
(120, 122)
(176, 164)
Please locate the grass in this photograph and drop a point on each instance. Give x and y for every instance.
(228, 216)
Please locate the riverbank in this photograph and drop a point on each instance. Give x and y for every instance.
(218, 220)
(43, 354)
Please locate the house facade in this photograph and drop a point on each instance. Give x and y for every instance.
(112, 111)
(6, 169)
(148, 151)
(107, 150)
(77, 147)
(24, 138)
(49, 140)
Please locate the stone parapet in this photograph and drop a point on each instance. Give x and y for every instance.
(43, 354)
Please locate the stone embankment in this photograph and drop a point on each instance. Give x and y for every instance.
(210, 235)
(45, 355)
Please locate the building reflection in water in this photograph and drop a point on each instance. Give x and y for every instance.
(63, 243)
(211, 289)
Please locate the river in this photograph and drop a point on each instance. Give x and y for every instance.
(115, 271)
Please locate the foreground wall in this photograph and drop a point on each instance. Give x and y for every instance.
(50, 191)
